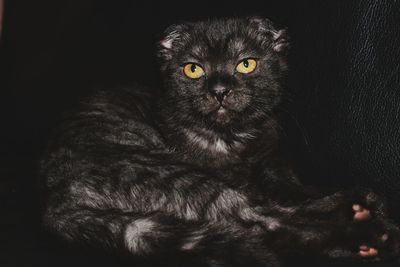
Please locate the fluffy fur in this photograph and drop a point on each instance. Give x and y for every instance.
(178, 178)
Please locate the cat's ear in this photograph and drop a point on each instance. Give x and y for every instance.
(280, 40)
(171, 40)
(279, 37)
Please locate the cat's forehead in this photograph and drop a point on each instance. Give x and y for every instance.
(222, 40)
(221, 48)
(230, 38)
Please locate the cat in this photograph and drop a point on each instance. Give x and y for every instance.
(195, 175)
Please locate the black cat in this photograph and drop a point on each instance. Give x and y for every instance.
(195, 175)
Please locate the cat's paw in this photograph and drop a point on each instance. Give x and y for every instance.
(375, 239)
(363, 205)
(367, 240)
(368, 233)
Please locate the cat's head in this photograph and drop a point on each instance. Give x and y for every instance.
(223, 73)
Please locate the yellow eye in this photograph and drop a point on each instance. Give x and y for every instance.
(193, 71)
(246, 66)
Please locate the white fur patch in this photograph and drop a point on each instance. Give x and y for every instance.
(221, 146)
(214, 144)
(134, 236)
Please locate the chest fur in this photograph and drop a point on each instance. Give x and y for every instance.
(209, 148)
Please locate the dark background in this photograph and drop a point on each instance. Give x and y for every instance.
(345, 91)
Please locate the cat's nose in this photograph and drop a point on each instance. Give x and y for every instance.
(220, 92)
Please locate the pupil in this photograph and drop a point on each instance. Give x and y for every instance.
(193, 68)
(246, 64)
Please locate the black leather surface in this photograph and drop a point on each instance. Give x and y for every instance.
(350, 86)
(345, 102)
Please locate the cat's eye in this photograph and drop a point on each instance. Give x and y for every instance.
(246, 66)
(193, 71)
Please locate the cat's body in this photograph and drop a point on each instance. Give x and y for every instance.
(196, 176)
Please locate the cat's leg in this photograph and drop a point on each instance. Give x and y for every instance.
(161, 239)
(152, 207)
(350, 224)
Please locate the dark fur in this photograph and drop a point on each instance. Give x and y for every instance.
(168, 178)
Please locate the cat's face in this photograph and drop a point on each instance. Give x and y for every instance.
(223, 73)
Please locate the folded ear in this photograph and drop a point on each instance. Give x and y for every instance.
(280, 38)
(281, 41)
(173, 37)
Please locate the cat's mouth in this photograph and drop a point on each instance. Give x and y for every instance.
(221, 114)
(222, 110)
